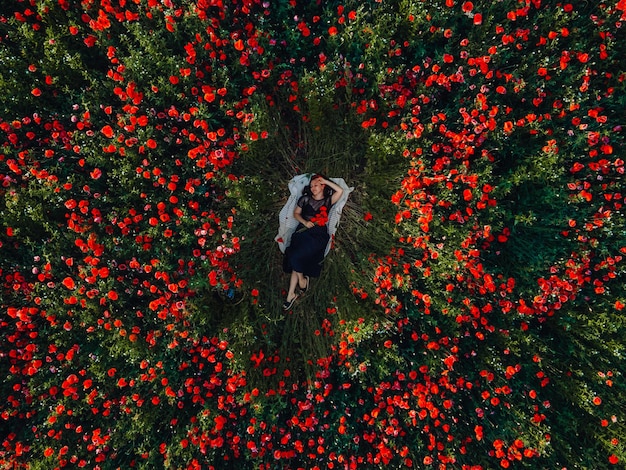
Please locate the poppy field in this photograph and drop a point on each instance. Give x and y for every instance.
(470, 314)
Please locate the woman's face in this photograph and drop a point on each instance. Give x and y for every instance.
(317, 188)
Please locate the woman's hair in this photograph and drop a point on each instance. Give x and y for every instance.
(307, 189)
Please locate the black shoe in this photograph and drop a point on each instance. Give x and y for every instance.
(289, 303)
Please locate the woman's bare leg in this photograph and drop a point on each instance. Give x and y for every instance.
(293, 283)
(301, 280)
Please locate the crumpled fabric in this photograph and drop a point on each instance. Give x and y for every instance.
(288, 224)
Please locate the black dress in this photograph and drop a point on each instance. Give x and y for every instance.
(305, 253)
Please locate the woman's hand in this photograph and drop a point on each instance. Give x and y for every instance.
(297, 214)
(336, 188)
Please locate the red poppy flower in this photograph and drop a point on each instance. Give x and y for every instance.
(220, 421)
(304, 29)
(321, 218)
(107, 131)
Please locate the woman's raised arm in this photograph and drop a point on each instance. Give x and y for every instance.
(336, 188)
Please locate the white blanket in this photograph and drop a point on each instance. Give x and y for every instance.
(287, 223)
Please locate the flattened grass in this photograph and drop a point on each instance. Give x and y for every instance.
(336, 145)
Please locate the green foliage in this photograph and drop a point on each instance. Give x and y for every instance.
(470, 312)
